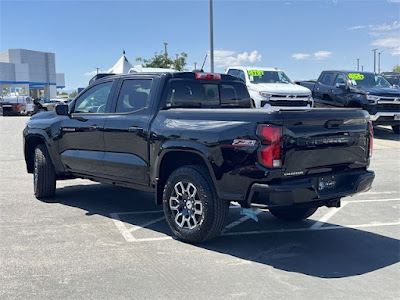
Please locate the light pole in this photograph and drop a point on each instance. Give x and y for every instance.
(358, 64)
(165, 49)
(379, 59)
(362, 68)
(374, 50)
(195, 65)
(211, 38)
(97, 70)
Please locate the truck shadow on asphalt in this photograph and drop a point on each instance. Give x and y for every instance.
(318, 253)
(385, 133)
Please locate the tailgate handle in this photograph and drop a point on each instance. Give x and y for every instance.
(334, 123)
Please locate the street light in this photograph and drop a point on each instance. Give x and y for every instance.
(379, 59)
(374, 50)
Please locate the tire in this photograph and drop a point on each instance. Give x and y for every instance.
(396, 129)
(44, 175)
(192, 209)
(293, 213)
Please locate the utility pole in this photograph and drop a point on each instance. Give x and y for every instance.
(362, 68)
(358, 64)
(374, 50)
(195, 64)
(97, 70)
(211, 38)
(165, 49)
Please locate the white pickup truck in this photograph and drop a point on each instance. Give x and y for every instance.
(272, 88)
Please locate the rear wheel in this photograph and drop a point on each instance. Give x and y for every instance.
(293, 213)
(44, 176)
(192, 209)
(396, 128)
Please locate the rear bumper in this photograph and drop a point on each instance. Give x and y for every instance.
(307, 191)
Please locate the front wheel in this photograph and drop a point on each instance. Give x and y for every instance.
(192, 209)
(293, 213)
(44, 176)
(396, 128)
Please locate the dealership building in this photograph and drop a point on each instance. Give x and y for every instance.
(29, 72)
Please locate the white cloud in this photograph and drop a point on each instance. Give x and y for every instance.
(300, 56)
(320, 55)
(225, 58)
(357, 27)
(386, 36)
(91, 74)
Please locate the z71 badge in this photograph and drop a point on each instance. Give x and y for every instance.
(240, 142)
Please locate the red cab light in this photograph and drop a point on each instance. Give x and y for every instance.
(371, 138)
(269, 155)
(207, 76)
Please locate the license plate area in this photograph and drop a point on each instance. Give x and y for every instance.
(327, 184)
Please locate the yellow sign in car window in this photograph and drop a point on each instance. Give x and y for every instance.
(356, 76)
(255, 72)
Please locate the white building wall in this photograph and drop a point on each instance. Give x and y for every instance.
(38, 68)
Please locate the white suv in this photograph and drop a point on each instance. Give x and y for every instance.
(271, 88)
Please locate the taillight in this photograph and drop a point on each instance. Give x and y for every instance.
(371, 138)
(17, 106)
(269, 155)
(207, 76)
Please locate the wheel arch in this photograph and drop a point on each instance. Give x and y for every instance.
(172, 159)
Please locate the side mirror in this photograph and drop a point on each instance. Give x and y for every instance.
(342, 86)
(62, 110)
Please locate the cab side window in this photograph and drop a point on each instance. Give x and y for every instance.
(94, 100)
(241, 75)
(134, 95)
(233, 72)
(327, 79)
(340, 79)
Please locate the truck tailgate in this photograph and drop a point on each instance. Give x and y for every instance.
(321, 140)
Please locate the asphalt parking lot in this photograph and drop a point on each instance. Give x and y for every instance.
(95, 241)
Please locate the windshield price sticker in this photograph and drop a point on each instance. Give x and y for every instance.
(356, 76)
(255, 73)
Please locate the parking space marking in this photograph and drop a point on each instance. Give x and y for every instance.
(136, 227)
(241, 220)
(318, 225)
(326, 217)
(371, 200)
(379, 193)
(309, 228)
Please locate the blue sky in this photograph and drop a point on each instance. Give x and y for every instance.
(300, 37)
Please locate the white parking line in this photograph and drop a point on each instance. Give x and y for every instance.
(127, 233)
(326, 217)
(309, 228)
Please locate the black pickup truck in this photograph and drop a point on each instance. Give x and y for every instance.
(365, 90)
(194, 140)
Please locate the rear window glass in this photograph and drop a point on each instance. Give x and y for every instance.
(203, 94)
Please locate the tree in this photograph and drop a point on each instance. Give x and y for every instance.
(160, 60)
(396, 68)
(73, 94)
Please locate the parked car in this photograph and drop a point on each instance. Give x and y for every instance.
(272, 88)
(16, 105)
(365, 90)
(193, 139)
(392, 77)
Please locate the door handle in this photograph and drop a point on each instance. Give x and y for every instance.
(94, 127)
(135, 129)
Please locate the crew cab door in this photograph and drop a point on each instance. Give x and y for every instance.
(81, 143)
(126, 132)
(323, 88)
(339, 93)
